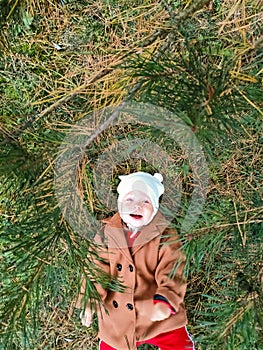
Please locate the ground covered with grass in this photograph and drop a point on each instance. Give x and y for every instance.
(62, 61)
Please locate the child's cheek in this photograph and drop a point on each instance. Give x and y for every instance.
(126, 207)
(150, 210)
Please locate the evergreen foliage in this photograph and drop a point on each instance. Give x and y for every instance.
(60, 61)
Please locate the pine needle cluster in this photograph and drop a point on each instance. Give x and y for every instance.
(62, 61)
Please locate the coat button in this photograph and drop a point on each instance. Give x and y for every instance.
(131, 268)
(119, 267)
(115, 304)
(129, 306)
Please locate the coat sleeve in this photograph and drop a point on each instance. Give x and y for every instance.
(171, 283)
(102, 264)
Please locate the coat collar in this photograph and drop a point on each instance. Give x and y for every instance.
(115, 235)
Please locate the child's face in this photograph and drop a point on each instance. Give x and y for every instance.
(136, 209)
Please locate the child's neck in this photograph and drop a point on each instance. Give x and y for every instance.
(131, 233)
(133, 229)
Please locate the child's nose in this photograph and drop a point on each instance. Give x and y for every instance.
(138, 205)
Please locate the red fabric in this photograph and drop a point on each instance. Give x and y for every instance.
(129, 239)
(177, 339)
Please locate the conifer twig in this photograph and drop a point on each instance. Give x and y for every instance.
(253, 104)
(195, 7)
(56, 104)
(168, 9)
(177, 20)
(236, 317)
(204, 230)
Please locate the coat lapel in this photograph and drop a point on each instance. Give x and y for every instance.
(115, 236)
(149, 232)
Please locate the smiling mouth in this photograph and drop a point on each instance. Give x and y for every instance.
(136, 216)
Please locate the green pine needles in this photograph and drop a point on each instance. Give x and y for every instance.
(62, 61)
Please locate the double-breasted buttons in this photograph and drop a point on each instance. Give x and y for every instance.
(115, 304)
(119, 267)
(131, 268)
(129, 306)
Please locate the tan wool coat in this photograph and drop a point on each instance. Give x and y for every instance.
(147, 268)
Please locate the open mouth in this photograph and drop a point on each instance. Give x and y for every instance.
(136, 216)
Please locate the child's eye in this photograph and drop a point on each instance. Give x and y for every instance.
(146, 201)
(129, 199)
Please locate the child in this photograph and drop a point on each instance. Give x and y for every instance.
(146, 256)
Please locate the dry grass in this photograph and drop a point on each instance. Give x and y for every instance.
(70, 64)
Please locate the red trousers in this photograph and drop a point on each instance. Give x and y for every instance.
(177, 339)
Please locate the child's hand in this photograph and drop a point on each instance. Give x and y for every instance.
(86, 317)
(161, 311)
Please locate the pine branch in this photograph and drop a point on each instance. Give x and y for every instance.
(114, 115)
(12, 137)
(236, 317)
(168, 9)
(188, 12)
(216, 255)
(167, 36)
(164, 47)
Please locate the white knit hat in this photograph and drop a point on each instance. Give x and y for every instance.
(144, 182)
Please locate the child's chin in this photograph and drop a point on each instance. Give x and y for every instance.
(137, 222)
(134, 222)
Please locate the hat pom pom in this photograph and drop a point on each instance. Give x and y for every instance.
(158, 176)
